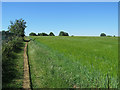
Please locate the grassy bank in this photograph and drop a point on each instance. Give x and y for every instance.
(65, 62)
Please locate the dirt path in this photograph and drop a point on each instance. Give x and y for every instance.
(26, 81)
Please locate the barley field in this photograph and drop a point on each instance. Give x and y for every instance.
(73, 62)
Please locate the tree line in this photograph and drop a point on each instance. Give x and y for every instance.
(62, 33)
(17, 28)
(103, 35)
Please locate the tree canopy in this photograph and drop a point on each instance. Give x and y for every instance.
(51, 34)
(42, 34)
(102, 34)
(32, 34)
(62, 33)
(18, 27)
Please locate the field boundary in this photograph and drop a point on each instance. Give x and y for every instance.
(26, 81)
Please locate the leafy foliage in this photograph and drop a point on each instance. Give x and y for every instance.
(12, 63)
(18, 27)
(42, 34)
(109, 36)
(32, 34)
(102, 34)
(6, 36)
(12, 56)
(62, 33)
(51, 34)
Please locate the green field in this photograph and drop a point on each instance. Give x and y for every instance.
(66, 62)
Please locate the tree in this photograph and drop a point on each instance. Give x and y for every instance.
(6, 35)
(51, 34)
(62, 33)
(18, 27)
(32, 34)
(102, 34)
(42, 34)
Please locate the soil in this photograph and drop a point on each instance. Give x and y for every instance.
(26, 81)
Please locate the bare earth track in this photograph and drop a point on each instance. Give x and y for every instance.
(26, 81)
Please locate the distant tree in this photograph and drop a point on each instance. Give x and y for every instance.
(45, 34)
(32, 34)
(6, 35)
(102, 34)
(109, 36)
(51, 34)
(42, 34)
(114, 36)
(62, 33)
(18, 27)
(3, 32)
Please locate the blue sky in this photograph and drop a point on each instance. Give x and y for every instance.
(76, 18)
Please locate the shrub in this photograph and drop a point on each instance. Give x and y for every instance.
(42, 34)
(62, 33)
(102, 34)
(32, 34)
(6, 35)
(109, 36)
(51, 34)
(9, 51)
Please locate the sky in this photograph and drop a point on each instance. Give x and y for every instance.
(76, 18)
(60, 0)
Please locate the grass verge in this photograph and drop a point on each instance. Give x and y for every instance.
(12, 74)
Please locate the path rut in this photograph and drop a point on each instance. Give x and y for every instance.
(26, 81)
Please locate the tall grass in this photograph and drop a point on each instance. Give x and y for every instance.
(66, 62)
(12, 63)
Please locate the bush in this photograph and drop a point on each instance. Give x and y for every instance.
(32, 34)
(10, 46)
(62, 33)
(102, 34)
(9, 62)
(6, 35)
(51, 34)
(109, 36)
(42, 34)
